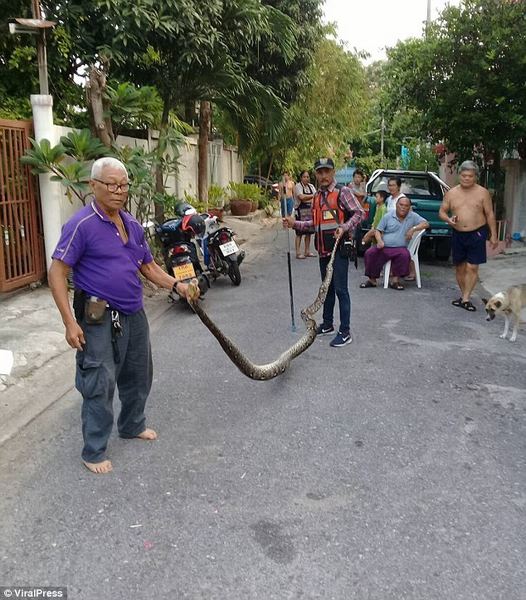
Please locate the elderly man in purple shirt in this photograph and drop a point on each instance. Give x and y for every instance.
(105, 247)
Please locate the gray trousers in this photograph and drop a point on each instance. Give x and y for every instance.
(96, 377)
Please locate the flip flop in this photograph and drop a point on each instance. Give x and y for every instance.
(311, 255)
(396, 286)
(367, 284)
(299, 256)
(467, 305)
(457, 302)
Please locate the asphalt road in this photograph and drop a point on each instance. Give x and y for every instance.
(391, 468)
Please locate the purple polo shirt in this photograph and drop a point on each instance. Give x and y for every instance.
(102, 265)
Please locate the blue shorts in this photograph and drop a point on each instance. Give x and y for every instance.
(469, 246)
(288, 205)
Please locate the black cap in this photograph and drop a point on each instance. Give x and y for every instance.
(324, 163)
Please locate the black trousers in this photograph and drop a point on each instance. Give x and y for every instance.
(97, 376)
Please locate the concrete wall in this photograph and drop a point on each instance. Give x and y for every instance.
(224, 166)
(515, 194)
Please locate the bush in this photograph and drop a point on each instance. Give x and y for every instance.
(216, 196)
(246, 191)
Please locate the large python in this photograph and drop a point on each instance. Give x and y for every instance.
(278, 366)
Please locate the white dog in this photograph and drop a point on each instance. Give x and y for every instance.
(509, 303)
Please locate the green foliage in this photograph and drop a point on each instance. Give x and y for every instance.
(82, 146)
(195, 202)
(42, 157)
(216, 196)
(328, 112)
(18, 72)
(249, 56)
(15, 108)
(170, 203)
(69, 163)
(74, 177)
(132, 107)
(140, 163)
(245, 191)
(288, 75)
(72, 174)
(466, 77)
(421, 157)
(369, 162)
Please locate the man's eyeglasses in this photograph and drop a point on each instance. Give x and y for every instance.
(115, 187)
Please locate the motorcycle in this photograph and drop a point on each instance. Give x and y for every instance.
(179, 250)
(222, 256)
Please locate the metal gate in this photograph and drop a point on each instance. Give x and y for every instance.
(22, 258)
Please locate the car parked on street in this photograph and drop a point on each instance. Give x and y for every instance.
(426, 191)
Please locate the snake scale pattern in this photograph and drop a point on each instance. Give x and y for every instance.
(278, 366)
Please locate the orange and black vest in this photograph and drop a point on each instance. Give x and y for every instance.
(323, 207)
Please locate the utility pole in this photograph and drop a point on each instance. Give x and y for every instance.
(41, 49)
(36, 26)
(382, 139)
(428, 19)
(42, 105)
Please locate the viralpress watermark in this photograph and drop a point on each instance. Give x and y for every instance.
(32, 591)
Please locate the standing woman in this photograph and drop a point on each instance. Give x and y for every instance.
(304, 193)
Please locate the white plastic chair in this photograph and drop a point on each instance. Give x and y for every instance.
(413, 247)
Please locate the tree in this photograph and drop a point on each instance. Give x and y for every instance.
(189, 51)
(328, 112)
(286, 75)
(18, 68)
(193, 51)
(466, 77)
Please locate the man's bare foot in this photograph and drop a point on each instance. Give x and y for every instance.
(101, 467)
(148, 434)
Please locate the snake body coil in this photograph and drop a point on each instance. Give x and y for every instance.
(278, 366)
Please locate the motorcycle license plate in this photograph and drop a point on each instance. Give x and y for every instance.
(182, 272)
(228, 248)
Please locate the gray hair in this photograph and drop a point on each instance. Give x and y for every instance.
(107, 161)
(469, 165)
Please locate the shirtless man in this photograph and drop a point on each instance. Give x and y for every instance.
(287, 195)
(469, 205)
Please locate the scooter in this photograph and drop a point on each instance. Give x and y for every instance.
(179, 250)
(221, 254)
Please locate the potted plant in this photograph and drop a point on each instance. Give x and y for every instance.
(257, 195)
(216, 201)
(240, 205)
(195, 202)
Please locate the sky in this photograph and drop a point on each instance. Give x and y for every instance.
(371, 25)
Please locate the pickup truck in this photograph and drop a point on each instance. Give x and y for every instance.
(426, 192)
